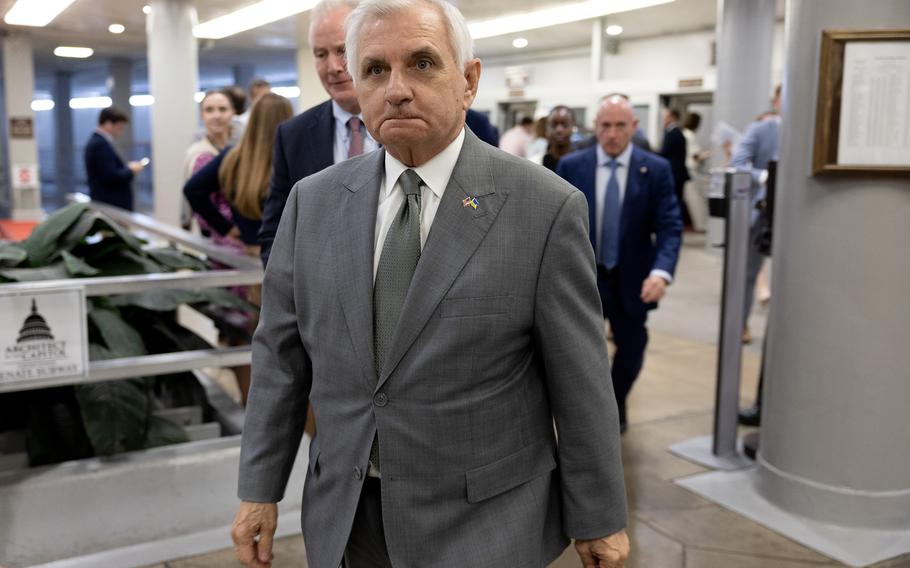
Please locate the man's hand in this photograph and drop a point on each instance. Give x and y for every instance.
(607, 552)
(252, 520)
(653, 288)
(135, 167)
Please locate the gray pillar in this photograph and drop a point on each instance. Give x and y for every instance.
(64, 150)
(5, 197)
(834, 427)
(311, 91)
(19, 90)
(598, 27)
(120, 83)
(173, 80)
(243, 74)
(745, 32)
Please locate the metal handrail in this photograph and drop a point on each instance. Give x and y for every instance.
(242, 270)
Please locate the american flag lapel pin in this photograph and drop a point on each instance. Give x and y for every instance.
(470, 202)
(644, 169)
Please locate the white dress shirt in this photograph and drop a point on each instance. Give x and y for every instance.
(601, 179)
(435, 175)
(343, 136)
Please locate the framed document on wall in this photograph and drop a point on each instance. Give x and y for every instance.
(862, 122)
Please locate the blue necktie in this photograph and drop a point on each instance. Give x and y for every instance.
(609, 239)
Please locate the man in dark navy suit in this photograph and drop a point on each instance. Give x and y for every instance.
(636, 230)
(332, 131)
(675, 150)
(325, 134)
(110, 177)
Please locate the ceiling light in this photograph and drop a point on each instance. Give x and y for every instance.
(146, 9)
(142, 100)
(39, 105)
(75, 52)
(519, 43)
(555, 15)
(38, 13)
(199, 96)
(116, 28)
(287, 92)
(252, 16)
(90, 102)
(614, 30)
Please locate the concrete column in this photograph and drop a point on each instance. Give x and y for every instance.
(173, 80)
(120, 84)
(5, 197)
(19, 90)
(834, 428)
(598, 27)
(311, 91)
(63, 124)
(745, 32)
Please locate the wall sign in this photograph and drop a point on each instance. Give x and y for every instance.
(21, 127)
(25, 176)
(862, 122)
(46, 335)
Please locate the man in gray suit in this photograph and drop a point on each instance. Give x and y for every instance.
(436, 301)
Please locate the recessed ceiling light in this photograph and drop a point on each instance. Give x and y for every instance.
(614, 30)
(75, 52)
(142, 100)
(555, 15)
(90, 102)
(249, 17)
(39, 105)
(146, 9)
(116, 28)
(519, 43)
(37, 13)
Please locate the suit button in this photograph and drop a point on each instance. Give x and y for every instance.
(358, 473)
(381, 399)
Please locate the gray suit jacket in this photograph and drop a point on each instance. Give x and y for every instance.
(500, 335)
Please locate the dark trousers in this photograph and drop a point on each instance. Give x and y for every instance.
(366, 546)
(629, 334)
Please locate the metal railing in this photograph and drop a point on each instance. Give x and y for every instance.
(242, 270)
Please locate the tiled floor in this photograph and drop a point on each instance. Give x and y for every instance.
(672, 401)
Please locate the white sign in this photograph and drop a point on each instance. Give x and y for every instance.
(45, 335)
(875, 105)
(25, 176)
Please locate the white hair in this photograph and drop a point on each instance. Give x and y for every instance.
(321, 9)
(462, 43)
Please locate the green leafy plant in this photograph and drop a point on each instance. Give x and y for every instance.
(113, 416)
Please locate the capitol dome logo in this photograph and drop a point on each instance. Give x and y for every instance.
(36, 341)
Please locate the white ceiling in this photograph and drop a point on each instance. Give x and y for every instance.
(85, 23)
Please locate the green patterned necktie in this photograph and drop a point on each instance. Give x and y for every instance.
(400, 254)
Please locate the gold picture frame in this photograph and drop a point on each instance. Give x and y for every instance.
(830, 99)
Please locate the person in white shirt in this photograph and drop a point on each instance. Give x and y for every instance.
(515, 140)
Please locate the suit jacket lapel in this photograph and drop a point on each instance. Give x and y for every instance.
(322, 139)
(634, 183)
(456, 233)
(353, 238)
(586, 184)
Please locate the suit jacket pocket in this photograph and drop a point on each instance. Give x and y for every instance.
(509, 472)
(466, 307)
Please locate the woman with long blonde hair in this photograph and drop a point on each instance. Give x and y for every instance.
(241, 174)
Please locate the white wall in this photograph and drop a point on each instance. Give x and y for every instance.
(643, 69)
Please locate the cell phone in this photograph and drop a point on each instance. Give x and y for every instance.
(144, 161)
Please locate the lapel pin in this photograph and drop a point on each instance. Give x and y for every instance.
(470, 201)
(644, 169)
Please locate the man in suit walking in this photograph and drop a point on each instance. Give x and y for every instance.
(110, 177)
(636, 231)
(327, 133)
(437, 304)
(758, 146)
(674, 149)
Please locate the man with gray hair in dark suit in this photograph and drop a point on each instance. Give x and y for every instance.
(436, 302)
